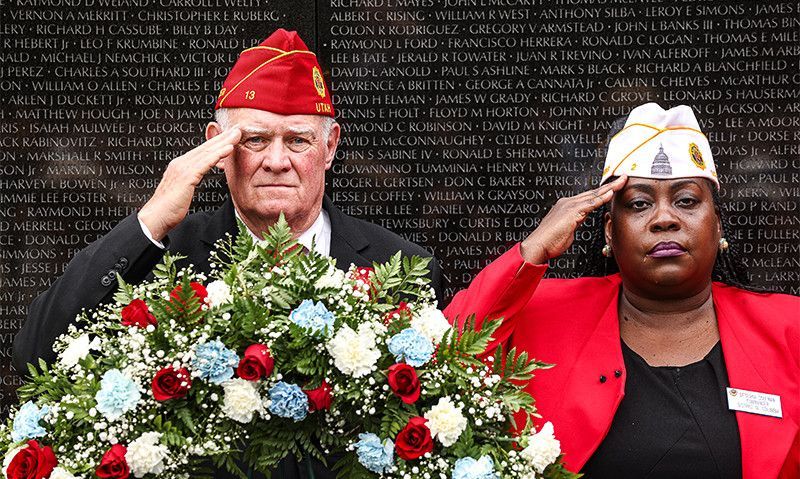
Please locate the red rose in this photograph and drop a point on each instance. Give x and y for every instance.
(137, 314)
(170, 383)
(113, 465)
(404, 382)
(33, 462)
(320, 398)
(199, 292)
(364, 274)
(402, 311)
(414, 440)
(256, 363)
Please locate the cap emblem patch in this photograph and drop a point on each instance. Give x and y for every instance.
(319, 83)
(661, 166)
(696, 156)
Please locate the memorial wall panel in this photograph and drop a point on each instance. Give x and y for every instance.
(97, 97)
(463, 120)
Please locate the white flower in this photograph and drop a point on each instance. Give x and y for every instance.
(354, 353)
(61, 473)
(446, 421)
(333, 278)
(10, 457)
(77, 349)
(146, 455)
(431, 323)
(241, 400)
(218, 293)
(543, 448)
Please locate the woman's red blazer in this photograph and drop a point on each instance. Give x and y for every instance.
(572, 323)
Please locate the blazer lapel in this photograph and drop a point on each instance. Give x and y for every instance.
(347, 241)
(765, 440)
(222, 220)
(592, 378)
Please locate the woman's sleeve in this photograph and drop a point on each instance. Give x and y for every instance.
(501, 290)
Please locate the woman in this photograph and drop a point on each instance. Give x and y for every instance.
(660, 371)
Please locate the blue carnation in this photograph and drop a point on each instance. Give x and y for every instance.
(26, 422)
(411, 346)
(373, 455)
(214, 361)
(469, 468)
(118, 394)
(288, 400)
(313, 316)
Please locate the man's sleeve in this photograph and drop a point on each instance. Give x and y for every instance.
(500, 290)
(88, 281)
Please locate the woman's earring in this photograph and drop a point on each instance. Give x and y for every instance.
(608, 253)
(723, 245)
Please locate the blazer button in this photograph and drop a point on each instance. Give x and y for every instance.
(105, 281)
(123, 262)
(617, 373)
(602, 378)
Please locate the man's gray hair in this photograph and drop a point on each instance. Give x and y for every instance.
(221, 116)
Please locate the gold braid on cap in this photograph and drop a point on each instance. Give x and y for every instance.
(658, 132)
(283, 54)
(262, 47)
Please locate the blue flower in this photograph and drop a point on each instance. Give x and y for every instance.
(411, 346)
(469, 468)
(373, 455)
(288, 400)
(214, 361)
(315, 317)
(117, 395)
(26, 422)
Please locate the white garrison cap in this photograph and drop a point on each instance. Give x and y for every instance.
(660, 144)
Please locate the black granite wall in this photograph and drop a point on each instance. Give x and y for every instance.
(463, 119)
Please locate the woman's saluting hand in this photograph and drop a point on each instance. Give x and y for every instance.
(556, 232)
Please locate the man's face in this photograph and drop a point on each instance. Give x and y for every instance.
(278, 166)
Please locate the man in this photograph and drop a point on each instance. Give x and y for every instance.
(274, 136)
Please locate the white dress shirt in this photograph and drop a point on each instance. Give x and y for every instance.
(319, 233)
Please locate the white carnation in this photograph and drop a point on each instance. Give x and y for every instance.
(77, 349)
(241, 400)
(431, 323)
(61, 473)
(218, 293)
(10, 457)
(446, 421)
(146, 455)
(333, 278)
(354, 353)
(543, 448)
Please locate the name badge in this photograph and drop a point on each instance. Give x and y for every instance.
(754, 402)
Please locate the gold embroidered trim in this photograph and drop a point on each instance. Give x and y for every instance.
(658, 132)
(277, 57)
(260, 47)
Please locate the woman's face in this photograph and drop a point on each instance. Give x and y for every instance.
(664, 235)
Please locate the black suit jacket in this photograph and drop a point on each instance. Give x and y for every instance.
(90, 278)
